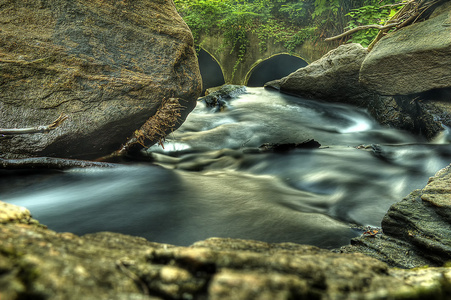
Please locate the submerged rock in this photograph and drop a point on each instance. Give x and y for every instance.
(108, 65)
(416, 230)
(281, 148)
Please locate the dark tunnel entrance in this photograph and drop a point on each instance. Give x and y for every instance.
(209, 70)
(273, 68)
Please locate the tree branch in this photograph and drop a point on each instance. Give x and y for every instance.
(38, 129)
(50, 163)
(154, 129)
(380, 27)
(393, 5)
(411, 12)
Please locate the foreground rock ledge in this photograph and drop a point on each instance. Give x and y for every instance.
(38, 263)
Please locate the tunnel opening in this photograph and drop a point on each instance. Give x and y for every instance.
(209, 70)
(274, 68)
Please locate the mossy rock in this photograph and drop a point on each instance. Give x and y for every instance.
(108, 65)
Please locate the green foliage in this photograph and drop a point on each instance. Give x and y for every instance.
(326, 8)
(295, 12)
(366, 15)
(203, 15)
(235, 28)
(279, 20)
(290, 22)
(307, 33)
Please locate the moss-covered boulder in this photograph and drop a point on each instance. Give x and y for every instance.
(107, 64)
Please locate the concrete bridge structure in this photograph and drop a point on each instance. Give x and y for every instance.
(275, 57)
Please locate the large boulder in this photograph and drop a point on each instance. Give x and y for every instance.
(415, 231)
(107, 64)
(37, 263)
(333, 77)
(414, 59)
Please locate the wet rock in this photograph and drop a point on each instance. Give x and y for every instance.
(217, 97)
(416, 230)
(414, 59)
(436, 102)
(416, 62)
(50, 163)
(280, 148)
(106, 64)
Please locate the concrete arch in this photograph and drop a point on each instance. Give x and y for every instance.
(273, 67)
(233, 73)
(210, 70)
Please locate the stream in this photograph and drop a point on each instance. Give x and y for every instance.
(212, 179)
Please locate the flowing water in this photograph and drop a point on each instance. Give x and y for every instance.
(212, 180)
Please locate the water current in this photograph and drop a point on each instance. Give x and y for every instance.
(212, 179)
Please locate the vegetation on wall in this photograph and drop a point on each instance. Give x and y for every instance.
(290, 22)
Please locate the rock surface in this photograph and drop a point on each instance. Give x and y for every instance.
(106, 64)
(37, 263)
(416, 230)
(217, 97)
(335, 78)
(414, 59)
